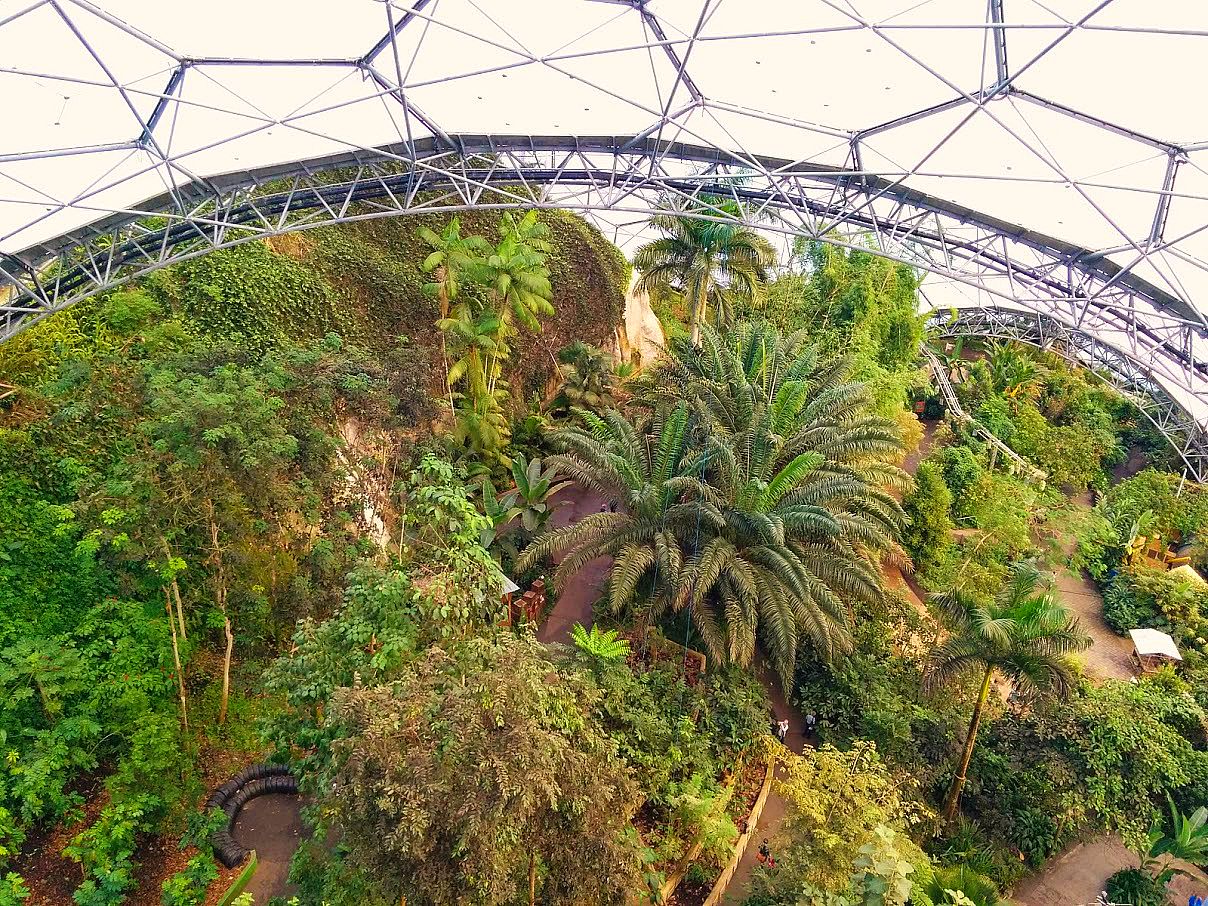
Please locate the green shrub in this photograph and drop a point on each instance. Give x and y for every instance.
(944, 882)
(188, 886)
(1125, 607)
(928, 506)
(1036, 835)
(1135, 887)
(962, 470)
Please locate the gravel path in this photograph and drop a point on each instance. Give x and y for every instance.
(1077, 875)
(774, 807)
(1109, 655)
(575, 603)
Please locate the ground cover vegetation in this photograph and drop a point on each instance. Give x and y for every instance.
(248, 518)
(1045, 770)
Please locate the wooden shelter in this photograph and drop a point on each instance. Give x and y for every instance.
(1153, 648)
(527, 607)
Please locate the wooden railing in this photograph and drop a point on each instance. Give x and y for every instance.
(744, 840)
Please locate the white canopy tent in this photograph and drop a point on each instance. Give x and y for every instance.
(1039, 157)
(1153, 647)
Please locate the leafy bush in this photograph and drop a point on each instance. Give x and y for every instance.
(944, 882)
(188, 886)
(1136, 887)
(13, 891)
(1036, 835)
(1104, 753)
(928, 506)
(1125, 607)
(962, 470)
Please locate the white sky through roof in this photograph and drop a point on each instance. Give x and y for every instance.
(1069, 118)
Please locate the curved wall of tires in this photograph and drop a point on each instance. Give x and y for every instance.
(254, 780)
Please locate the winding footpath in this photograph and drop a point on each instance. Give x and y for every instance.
(575, 603)
(1072, 878)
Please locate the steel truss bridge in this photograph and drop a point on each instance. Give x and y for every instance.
(1027, 286)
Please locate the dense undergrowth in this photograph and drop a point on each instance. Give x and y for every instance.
(249, 513)
(188, 438)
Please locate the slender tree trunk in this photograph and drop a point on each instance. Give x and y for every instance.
(180, 611)
(180, 676)
(443, 296)
(532, 879)
(226, 667)
(958, 782)
(220, 594)
(698, 309)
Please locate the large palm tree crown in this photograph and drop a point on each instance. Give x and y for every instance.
(712, 262)
(757, 387)
(755, 490)
(640, 464)
(1022, 633)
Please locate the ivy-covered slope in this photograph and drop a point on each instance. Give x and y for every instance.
(364, 282)
(76, 412)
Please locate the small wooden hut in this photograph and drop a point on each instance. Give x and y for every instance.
(1152, 649)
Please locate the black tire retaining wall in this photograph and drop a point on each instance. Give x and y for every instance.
(254, 780)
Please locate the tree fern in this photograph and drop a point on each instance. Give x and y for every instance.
(602, 645)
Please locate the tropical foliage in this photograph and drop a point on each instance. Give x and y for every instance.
(587, 379)
(708, 258)
(599, 643)
(755, 504)
(247, 517)
(512, 283)
(542, 798)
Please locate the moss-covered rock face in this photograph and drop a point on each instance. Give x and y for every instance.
(363, 280)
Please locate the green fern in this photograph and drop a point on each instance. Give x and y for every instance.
(603, 645)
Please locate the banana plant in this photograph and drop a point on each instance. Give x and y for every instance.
(534, 487)
(1188, 842)
(499, 512)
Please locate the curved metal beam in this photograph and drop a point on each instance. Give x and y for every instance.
(1186, 436)
(1010, 267)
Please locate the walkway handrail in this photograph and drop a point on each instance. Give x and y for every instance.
(940, 375)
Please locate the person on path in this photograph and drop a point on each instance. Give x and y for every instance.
(782, 729)
(765, 854)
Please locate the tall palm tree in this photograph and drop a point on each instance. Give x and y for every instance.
(453, 260)
(757, 380)
(710, 263)
(1022, 634)
(775, 511)
(796, 472)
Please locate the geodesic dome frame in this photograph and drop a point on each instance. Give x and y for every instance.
(979, 154)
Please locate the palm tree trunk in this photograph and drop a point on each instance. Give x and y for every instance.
(443, 297)
(958, 782)
(698, 309)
